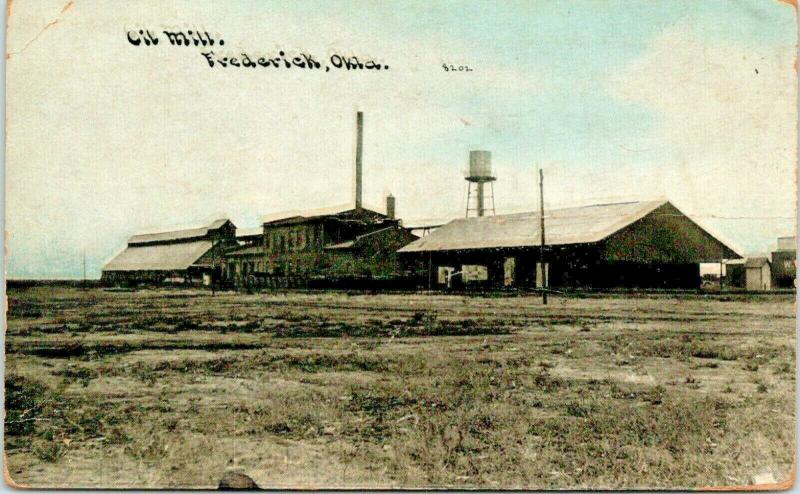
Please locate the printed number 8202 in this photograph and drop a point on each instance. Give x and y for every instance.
(456, 68)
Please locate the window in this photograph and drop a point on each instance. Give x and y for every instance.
(444, 273)
(474, 272)
(542, 277)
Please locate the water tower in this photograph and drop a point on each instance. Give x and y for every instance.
(480, 173)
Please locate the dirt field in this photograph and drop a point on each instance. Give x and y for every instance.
(173, 388)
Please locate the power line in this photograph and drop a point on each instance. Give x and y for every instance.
(677, 215)
(705, 216)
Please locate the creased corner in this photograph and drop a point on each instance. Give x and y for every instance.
(47, 26)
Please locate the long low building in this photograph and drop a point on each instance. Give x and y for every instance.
(648, 244)
(182, 256)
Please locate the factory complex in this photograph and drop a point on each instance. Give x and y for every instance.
(637, 244)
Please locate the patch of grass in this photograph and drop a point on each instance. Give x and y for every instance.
(472, 412)
(784, 368)
(707, 365)
(686, 347)
(80, 373)
(48, 451)
(71, 349)
(24, 401)
(546, 382)
(576, 409)
(313, 362)
(419, 325)
(325, 362)
(376, 404)
(47, 422)
(751, 366)
(296, 416)
(22, 308)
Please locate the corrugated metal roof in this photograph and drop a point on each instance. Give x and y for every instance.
(250, 232)
(176, 234)
(352, 243)
(755, 262)
(313, 213)
(246, 251)
(578, 225)
(218, 223)
(346, 215)
(165, 257)
(165, 236)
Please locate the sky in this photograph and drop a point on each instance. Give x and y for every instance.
(614, 100)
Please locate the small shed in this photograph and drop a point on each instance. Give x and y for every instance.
(757, 273)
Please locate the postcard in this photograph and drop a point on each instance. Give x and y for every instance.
(544, 244)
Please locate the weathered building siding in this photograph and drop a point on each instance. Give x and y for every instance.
(664, 236)
(758, 274)
(758, 277)
(349, 244)
(308, 237)
(294, 249)
(243, 263)
(372, 255)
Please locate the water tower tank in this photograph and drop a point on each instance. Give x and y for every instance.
(480, 164)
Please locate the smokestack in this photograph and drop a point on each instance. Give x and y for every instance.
(390, 206)
(359, 145)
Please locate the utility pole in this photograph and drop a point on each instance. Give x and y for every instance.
(84, 269)
(541, 234)
(359, 153)
(213, 261)
(430, 270)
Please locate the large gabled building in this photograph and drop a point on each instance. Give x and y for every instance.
(350, 243)
(181, 256)
(345, 244)
(647, 244)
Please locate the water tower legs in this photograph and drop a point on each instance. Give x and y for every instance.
(480, 199)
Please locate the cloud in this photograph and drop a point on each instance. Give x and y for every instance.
(152, 138)
(727, 116)
(104, 139)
